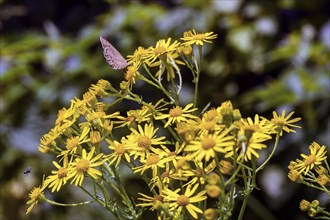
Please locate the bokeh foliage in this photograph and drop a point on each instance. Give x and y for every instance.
(269, 55)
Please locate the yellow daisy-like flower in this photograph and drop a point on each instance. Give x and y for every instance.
(161, 49)
(134, 116)
(142, 141)
(59, 177)
(283, 122)
(153, 162)
(120, 151)
(177, 114)
(84, 165)
(207, 146)
(248, 150)
(47, 141)
(36, 195)
(139, 55)
(316, 157)
(131, 74)
(154, 201)
(261, 125)
(192, 37)
(178, 202)
(200, 173)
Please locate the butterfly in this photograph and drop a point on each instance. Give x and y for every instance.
(112, 56)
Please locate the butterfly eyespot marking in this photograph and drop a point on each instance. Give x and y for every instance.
(115, 60)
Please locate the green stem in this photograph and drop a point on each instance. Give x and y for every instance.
(271, 154)
(249, 188)
(102, 203)
(158, 85)
(196, 79)
(71, 204)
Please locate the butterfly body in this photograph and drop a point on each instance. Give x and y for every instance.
(115, 60)
(27, 171)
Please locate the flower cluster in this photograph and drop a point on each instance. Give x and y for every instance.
(185, 155)
(313, 171)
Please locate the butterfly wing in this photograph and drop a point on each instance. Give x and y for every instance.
(112, 56)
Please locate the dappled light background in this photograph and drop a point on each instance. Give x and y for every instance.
(269, 55)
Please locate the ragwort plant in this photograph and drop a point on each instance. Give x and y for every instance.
(195, 167)
(313, 171)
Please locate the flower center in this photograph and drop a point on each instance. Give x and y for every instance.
(175, 112)
(279, 121)
(172, 153)
(210, 115)
(152, 159)
(130, 118)
(207, 143)
(159, 50)
(165, 174)
(310, 160)
(182, 200)
(198, 172)
(199, 37)
(62, 172)
(82, 165)
(144, 142)
(72, 143)
(120, 149)
(36, 192)
(158, 197)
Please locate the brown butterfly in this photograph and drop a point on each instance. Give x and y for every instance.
(112, 56)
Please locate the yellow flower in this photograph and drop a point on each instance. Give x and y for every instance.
(119, 150)
(283, 122)
(249, 149)
(142, 141)
(213, 191)
(200, 173)
(47, 141)
(177, 114)
(59, 177)
(138, 56)
(154, 201)
(316, 157)
(177, 201)
(134, 116)
(161, 49)
(192, 37)
(131, 74)
(211, 214)
(261, 125)
(101, 89)
(153, 162)
(84, 165)
(207, 146)
(36, 195)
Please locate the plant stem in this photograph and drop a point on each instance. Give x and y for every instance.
(271, 154)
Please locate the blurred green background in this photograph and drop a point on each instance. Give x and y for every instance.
(269, 55)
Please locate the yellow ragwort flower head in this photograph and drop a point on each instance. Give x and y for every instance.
(178, 202)
(192, 37)
(161, 49)
(85, 165)
(36, 195)
(284, 122)
(59, 177)
(139, 56)
(315, 158)
(177, 114)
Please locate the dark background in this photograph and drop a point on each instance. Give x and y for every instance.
(269, 55)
